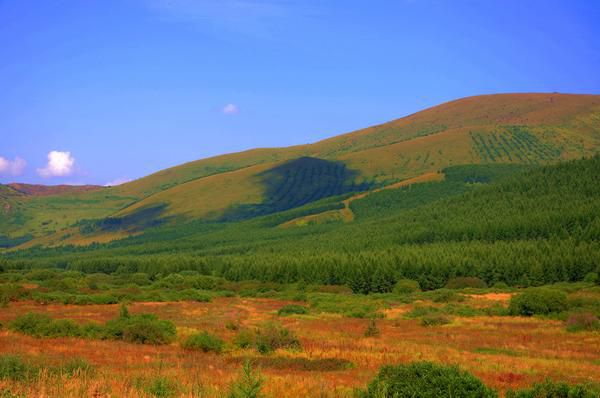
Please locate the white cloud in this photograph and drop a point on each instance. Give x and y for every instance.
(12, 167)
(60, 164)
(231, 109)
(116, 182)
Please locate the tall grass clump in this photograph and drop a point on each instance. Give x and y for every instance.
(583, 321)
(268, 338)
(372, 329)
(161, 387)
(248, 384)
(204, 342)
(13, 367)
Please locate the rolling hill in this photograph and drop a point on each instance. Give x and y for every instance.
(523, 129)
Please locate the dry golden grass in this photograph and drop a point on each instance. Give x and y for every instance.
(208, 197)
(505, 352)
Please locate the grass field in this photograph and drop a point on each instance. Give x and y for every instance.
(505, 352)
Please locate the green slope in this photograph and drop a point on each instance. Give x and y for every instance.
(506, 128)
(531, 225)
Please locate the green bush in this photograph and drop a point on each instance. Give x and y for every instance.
(144, 329)
(42, 274)
(41, 325)
(536, 301)
(443, 296)
(406, 286)
(194, 295)
(140, 279)
(32, 324)
(12, 292)
(62, 328)
(173, 281)
(591, 277)
(292, 309)
(204, 342)
(272, 336)
(500, 285)
(244, 339)
(205, 282)
(425, 380)
(462, 282)
(550, 389)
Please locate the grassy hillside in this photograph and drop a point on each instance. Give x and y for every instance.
(514, 224)
(508, 128)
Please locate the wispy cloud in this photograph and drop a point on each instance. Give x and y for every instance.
(231, 109)
(117, 181)
(12, 167)
(250, 17)
(59, 164)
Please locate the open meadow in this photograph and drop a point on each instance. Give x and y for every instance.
(312, 341)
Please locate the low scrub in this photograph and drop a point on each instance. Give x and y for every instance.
(442, 296)
(141, 328)
(268, 338)
(582, 322)
(204, 342)
(292, 309)
(538, 301)
(40, 325)
(425, 380)
(353, 306)
(550, 389)
(12, 292)
(435, 320)
(300, 364)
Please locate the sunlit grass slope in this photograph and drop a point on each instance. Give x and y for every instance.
(503, 128)
(512, 128)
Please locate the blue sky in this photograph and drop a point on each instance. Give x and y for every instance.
(107, 90)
